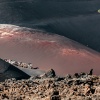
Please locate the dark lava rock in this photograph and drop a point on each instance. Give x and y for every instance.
(68, 76)
(91, 72)
(55, 93)
(76, 75)
(70, 82)
(77, 82)
(60, 78)
(55, 96)
(8, 71)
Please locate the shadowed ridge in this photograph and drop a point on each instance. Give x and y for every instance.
(9, 71)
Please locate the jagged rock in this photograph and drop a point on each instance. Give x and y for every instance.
(82, 74)
(68, 76)
(91, 72)
(76, 75)
(77, 82)
(32, 78)
(55, 92)
(70, 82)
(50, 74)
(55, 96)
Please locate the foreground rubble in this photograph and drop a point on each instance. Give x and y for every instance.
(80, 86)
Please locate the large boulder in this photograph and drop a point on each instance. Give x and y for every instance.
(49, 74)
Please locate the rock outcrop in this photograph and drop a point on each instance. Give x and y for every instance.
(8, 71)
(48, 86)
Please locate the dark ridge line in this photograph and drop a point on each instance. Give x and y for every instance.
(11, 71)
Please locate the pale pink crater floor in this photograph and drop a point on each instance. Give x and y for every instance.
(46, 50)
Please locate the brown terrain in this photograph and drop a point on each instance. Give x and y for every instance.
(48, 86)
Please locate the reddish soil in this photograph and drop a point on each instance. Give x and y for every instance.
(46, 51)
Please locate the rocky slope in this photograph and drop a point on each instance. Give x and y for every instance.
(80, 86)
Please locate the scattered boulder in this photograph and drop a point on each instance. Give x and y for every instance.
(59, 78)
(97, 90)
(68, 76)
(91, 72)
(55, 96)
(49, 74)
(55, 92)
(76, 75)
